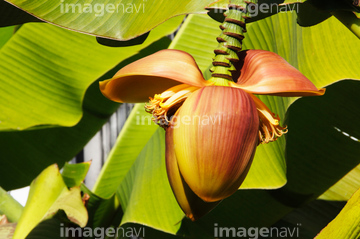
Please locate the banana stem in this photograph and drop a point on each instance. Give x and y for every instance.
(230, 41)
(9, 206)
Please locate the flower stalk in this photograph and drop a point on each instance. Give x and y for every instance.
(230, 41)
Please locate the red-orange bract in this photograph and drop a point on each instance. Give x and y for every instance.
(212, 127)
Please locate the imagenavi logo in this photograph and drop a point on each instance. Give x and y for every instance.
(256, 232)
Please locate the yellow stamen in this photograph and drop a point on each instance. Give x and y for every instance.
(164, 105)
(270, 128)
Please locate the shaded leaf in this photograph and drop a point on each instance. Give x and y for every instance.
(103, 212)
(335, 5)
(53, 228)
(74, 174)
(310, 219)
(345, 187)
(11, 15)
(113, 43)
(309, 15)
(5, 34)
(350, 20)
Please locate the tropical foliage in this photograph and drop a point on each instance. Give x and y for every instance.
(51, 106)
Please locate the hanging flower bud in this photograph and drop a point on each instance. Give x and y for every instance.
(212, 127)
(215, 136)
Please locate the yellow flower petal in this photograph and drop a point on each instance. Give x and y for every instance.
(164, 105)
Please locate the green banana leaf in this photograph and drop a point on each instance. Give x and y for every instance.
(103, 212)
(346, 224)
(116, 19)
(146, 187)
(45, 71)
(310, 172)
(134, 135)
(346, 187)
(53, 228)
(48, 194)
(9, 207)
(74, 174)
(5, 35)
(29, 152)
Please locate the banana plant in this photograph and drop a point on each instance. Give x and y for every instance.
(279, 78)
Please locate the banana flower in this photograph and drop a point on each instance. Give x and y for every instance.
(212, 127)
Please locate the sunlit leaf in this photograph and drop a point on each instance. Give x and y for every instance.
(48, 194)
(134, 135)
(48, 69)
(9, 207)
(145, 194)
(116, 19)
(346, 224)
(31, 151)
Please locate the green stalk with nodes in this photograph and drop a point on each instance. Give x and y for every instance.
(230, 41)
